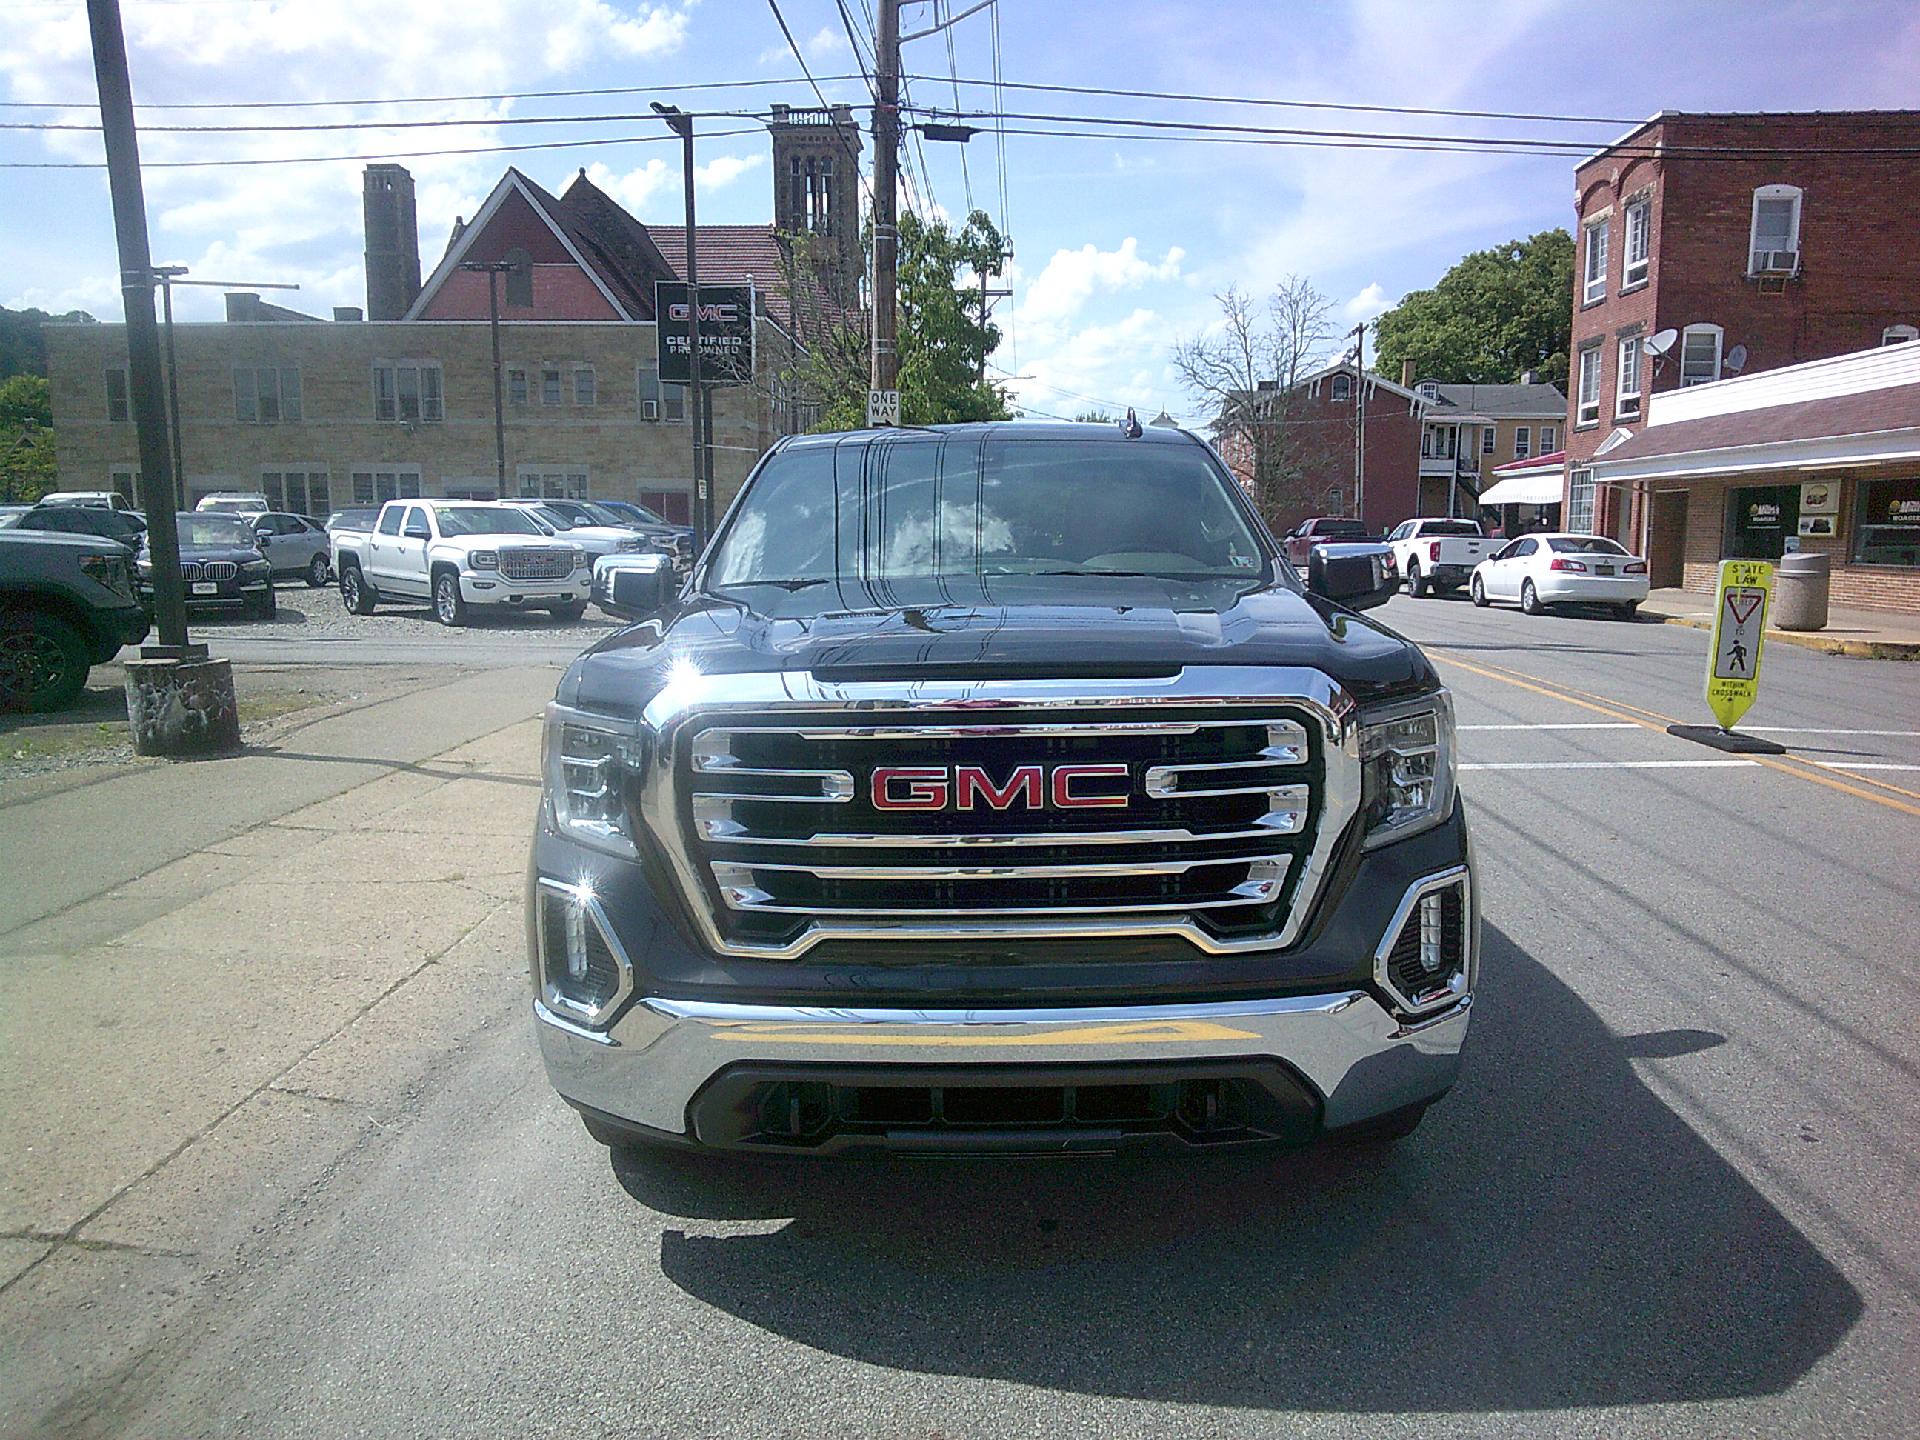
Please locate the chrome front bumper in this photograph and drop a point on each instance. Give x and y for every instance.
(1359, 1059)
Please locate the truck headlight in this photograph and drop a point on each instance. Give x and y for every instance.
(1406, 760)
(593, 764)
(581, 559)
(484, 560)
(256, 567)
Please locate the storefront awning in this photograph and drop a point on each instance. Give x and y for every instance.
(1537, 489)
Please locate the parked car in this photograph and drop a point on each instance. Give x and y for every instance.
(1318, 531)
(10, 515)
(97, 499)
(461, 554)
(119, 526)
(1554, 569)
(1438, 555)
(1092, 827)
(235, 504)
(221, 565)
(595, 536)
(295, 545)
(67, 603)
(676, 540)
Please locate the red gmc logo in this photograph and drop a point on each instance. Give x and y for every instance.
(966, 787)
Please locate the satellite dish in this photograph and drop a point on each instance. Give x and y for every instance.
(1661, 342)
(1736, 359)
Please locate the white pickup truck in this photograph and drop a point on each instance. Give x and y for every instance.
(1436, 556)
(461, 554)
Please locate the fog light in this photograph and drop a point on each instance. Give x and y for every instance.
(585, 975)
(576, 925)
(1432, 928)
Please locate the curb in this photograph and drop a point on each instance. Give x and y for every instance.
(1813, 640)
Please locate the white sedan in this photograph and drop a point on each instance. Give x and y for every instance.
(1555, 569)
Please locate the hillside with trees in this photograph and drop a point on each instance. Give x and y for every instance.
(23, 348)
(1494, 316)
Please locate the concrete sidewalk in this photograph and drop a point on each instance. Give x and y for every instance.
(1865, 634)
(215, 977)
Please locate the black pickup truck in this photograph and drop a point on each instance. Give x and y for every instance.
(1000, 787)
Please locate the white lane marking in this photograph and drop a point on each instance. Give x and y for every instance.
(1572, 725)
(1860, 765)
(1603, 764)
(1810, 730)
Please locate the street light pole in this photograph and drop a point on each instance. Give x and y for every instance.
(700, 417)
(494, 270)
(886, 218)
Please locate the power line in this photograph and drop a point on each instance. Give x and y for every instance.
(818, 93)
(953, 71)
(425, 99)
(385, 155)
(337, 125)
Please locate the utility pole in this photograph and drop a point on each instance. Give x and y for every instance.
(700, 414)
(494, 269)
(167, 274)
(886, 219)
(143, 336)
(1360, 422)
(985, 296)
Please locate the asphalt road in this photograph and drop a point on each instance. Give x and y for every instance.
(1673, 1196)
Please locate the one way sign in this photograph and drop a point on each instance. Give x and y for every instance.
(1739, 629)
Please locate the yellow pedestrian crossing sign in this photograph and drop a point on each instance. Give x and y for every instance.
(1740, 606)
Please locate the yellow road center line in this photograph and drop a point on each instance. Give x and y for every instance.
(1603, 705)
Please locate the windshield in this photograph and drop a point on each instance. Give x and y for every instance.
(600, 515)
(211, 529)
(483, 520)
(952, 506)
(1584, 545)
(1339, 529)
(552, 516)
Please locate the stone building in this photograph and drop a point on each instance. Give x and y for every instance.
(319, 414)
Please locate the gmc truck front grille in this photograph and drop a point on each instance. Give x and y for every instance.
(955, 823)
(527, 563)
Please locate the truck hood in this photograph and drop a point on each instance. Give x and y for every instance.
(1008, 629)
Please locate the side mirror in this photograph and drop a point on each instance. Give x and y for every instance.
(1358, 576)
(632, 587)
(262, 537)
(417, 532)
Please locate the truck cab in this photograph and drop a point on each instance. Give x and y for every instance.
(1000, 788)
(1437, 555)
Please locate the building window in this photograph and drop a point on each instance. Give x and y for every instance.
(1547, 436)
(1773, 247)
(1428, 388)
(516, 385)
(1580, 502)
(298, 492)
(1596, 265)
(552, 483)
(119, 408)
(1886, 527)
(1588, 391)
(583, 385)
(1899, 334)
(1341, 389)
(1626, 403)
(550, 386)
(519, 286)
(1637, 263)
(673, 506)
(1486, 440)
(661, 402)
(407, 391)
(1522, 441)
(1700, 354)
(379, 485)
(265, 394)
(125, 483)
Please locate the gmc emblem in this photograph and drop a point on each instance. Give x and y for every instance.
(966, 787)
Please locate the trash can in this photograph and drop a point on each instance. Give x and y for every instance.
(1800, 590)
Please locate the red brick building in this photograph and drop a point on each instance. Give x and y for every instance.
(1313, 427)
(1735, 244)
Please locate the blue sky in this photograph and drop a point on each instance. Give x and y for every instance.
(1119, 244)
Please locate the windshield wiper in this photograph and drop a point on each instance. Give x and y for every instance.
(788, 585)
(1146, 574)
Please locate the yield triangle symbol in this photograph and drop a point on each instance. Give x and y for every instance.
(1742, 606)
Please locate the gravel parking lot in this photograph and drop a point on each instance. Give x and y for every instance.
(319, 615)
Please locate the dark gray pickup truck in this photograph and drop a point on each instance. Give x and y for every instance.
(1000, 788)
(67, 603)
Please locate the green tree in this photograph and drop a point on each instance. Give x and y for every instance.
(27, 469)
(23, 348)
(1495, 315)
(942, 339)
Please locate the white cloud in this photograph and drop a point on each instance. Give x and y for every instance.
(824, 44)
(723, 170)
(1369, 303)
(1073, 277)
(635, 187)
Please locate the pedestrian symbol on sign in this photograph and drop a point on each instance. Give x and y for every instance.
(1739, 629)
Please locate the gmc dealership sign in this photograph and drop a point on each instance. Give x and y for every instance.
(726, 333)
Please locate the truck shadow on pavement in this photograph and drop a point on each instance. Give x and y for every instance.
(1554, 1236)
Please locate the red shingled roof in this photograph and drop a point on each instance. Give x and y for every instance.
(1896, 407)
